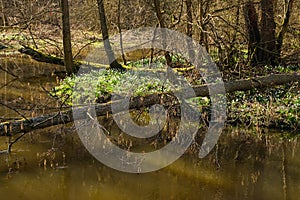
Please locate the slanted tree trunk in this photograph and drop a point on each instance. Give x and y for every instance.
(107, 46)
(68, 56)
(284, 26)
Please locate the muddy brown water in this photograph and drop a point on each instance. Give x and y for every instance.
(53, 164)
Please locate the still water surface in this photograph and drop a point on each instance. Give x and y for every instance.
(53, 164)
(36, 170)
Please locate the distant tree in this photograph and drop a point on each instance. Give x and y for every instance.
(120, 32)
(189, 26)
(264, 44)
(108, 49)
(189, 12)
(285, 24)
(68, 56)
(3, 18)
(162, 24)
(202, 13)
(266, 52)
(251, 19)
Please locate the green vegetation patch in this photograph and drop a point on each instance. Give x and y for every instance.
(277, 107)
(97, 86)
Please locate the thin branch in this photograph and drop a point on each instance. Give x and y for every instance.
(79, 51)
(231, 7)
(16, 111)
(9, 82)
(13, 142)
(10, 73)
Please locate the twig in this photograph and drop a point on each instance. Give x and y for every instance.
(79, 51)
(13, 142)
(7, 106)
(8, 72)
(9, 82)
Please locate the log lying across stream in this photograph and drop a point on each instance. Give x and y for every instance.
(41, 57)
(38, 56)
(63, 117)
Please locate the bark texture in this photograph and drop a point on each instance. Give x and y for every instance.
(68, 56)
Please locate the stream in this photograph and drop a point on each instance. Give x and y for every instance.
(53, 164)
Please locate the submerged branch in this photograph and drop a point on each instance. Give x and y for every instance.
(63, 117)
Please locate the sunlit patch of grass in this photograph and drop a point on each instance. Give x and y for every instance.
(106, 82)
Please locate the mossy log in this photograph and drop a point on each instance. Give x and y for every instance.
(38, 56)
(41, 57)
(63, 117)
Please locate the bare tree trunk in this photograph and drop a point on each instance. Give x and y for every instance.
(266, 52)
(264, 47)
(68, 56)
(162, 25)
(203, 9)
(284, 27)
(231, 53)
(189, 26)
(189, 12)
(120, 32)
(108, 49)
(251, 19)
(3, 20)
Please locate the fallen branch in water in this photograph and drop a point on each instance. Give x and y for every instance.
(41, 57)
(63, 117)
(38, 56)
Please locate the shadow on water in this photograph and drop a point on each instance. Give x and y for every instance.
(53, 164)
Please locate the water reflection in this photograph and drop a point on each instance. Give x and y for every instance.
(53, 164)
(22, 85)
(271, 172)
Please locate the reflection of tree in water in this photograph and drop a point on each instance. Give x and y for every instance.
(257, 164)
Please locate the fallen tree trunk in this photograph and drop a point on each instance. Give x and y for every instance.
(63, 117)
(40, 57)
(251, 83)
